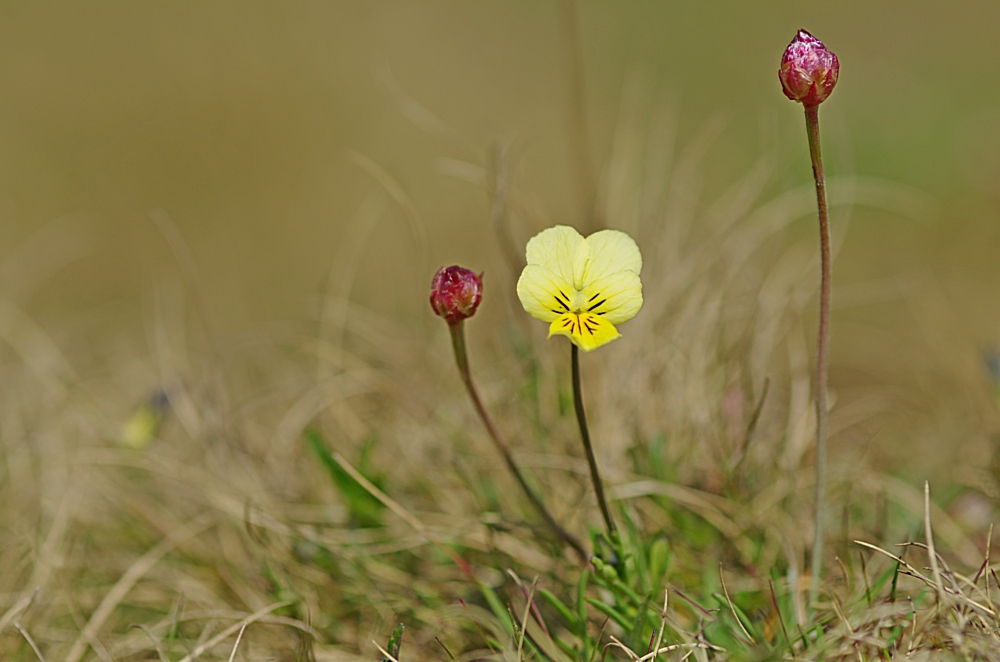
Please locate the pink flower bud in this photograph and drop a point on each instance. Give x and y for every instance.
(808, 70)
(455, 293)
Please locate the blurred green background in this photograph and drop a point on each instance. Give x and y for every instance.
(239, 119)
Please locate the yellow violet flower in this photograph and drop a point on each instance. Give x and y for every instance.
(582, 286)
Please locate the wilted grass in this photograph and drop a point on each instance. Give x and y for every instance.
(301, 490)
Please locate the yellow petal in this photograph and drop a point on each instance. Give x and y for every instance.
(611, 251)
(544, 294)
(560, 249)
(586, 330)
(616, 297)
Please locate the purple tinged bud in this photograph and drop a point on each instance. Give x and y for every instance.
(808, 70)
(455, 293)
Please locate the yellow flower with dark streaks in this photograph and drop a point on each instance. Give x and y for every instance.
(581, 286)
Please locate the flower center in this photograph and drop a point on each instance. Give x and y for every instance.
(577, 303)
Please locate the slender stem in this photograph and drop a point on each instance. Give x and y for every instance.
(581, 418)
(462, 360)
(822, 348)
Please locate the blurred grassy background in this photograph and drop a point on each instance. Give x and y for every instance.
(239, 120)
(189, 190)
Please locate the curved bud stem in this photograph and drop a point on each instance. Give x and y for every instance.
(462, 360)
(822, 348)
(581, 418)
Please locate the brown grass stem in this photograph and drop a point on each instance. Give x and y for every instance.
(239, 638)
(577, 132)
(581, 418)
(822, 348)
(732, 609)
(462, 360)
(931, 552)
(31, 642)
(386, 655)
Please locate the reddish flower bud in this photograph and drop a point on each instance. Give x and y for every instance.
(808, 70)
(455, 293)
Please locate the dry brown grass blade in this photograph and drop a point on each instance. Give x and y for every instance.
(421, 116)
(384, 652)
(690, 498)
(732, 608)
(15, 611)
(986, 565)
(156, 642)
(781, 620)
(577, 133)
(252, 618)
(36, 348)
(913, 572)
(911, 499)
(534, 608)
(845, 574)
(615, 642)
(236, 645)
(232, 505)
(946, 571)
(929, 534)
(129, 579)
(51, 550)
(663, 624)
(916, 573)
(840, 615)
(130, 646)
(524, 619)
(986, 560)
(691, 647)
(400, 197)
(31, 642)
(347, 261)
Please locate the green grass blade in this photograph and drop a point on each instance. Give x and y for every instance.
(572, 622)
(611, 613)
(364, 509)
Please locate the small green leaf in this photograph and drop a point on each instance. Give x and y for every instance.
(571, 651)
(746, 622)
(639, 626)
(364, 509)
(611, 612)
(659, 559)
(496, 606)
(624, 589)
(572, 622)
(581, 613)
(581, 595)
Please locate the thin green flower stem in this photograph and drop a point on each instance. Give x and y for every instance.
(581, 418)
(822, 348)
(462, 360)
